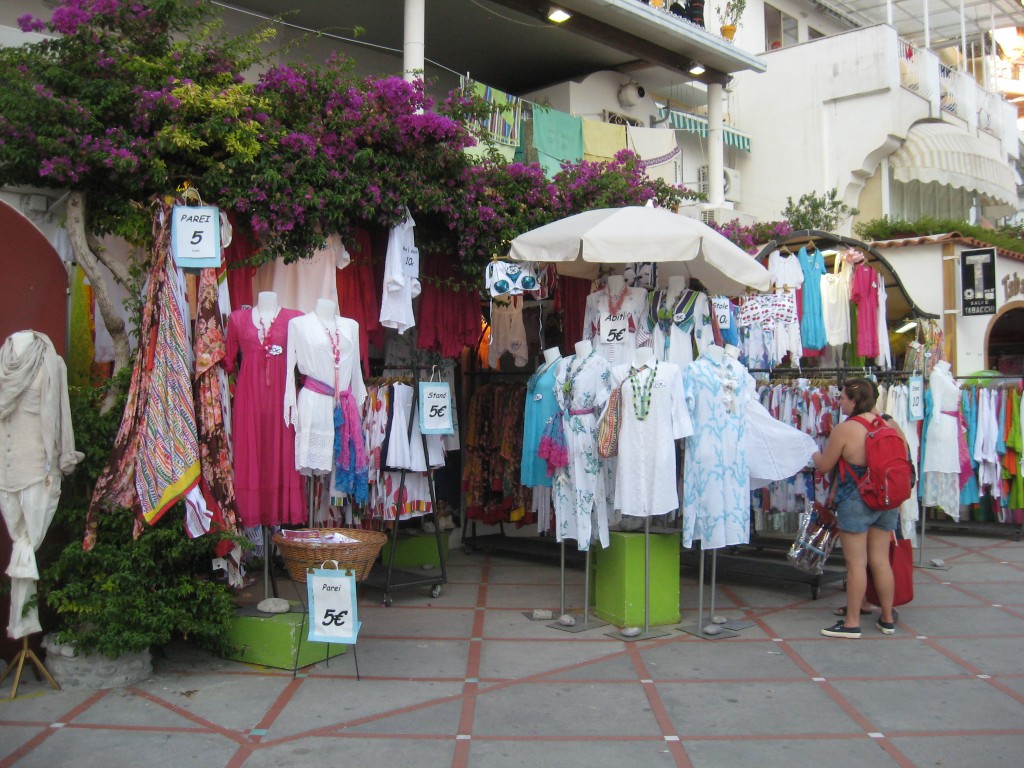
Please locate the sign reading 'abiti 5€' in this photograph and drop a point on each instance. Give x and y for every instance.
(978, 281)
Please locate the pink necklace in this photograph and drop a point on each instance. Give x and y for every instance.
(269, 350)
(335, 341)
(615, 302)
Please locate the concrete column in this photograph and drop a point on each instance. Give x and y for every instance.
(716, 146)
(412, 50)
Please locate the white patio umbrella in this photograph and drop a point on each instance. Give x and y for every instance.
(578, 245)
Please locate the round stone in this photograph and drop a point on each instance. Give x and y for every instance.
(566, 620)
(712, 629)
(630, 631)
(273, 605)
(718, 619)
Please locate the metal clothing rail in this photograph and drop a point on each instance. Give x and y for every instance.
(387, 577)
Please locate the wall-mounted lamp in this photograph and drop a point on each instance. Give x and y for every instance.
(558, 15)
(908, 326)
(696, 68)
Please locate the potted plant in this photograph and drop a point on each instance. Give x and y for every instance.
(729, 15)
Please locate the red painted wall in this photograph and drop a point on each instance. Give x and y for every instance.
(33, 296)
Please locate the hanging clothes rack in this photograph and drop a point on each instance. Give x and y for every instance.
(386, 577)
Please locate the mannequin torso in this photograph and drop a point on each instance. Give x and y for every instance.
(584, 348)
(676, 285)
(731, 350)
(551, 355)
(326, 310)
(615, 285)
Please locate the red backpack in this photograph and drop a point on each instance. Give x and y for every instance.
(889, 477)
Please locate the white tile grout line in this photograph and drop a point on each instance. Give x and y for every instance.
(877, 735)
(818, 679)
(671, 738)
(463, 737)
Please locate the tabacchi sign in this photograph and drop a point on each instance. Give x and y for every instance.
(978, 281)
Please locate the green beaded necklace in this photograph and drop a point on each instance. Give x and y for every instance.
(642, 406)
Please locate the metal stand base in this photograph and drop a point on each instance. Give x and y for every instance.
(648, 634)
(580, 626)
(697, 630)
(930, 567)
(529, 615)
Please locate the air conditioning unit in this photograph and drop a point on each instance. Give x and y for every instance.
(719, 215)
(731, 182)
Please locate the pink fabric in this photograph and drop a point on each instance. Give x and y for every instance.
(315, 385)
(963, 452)
(268, 489)
(239, 277)
(864, 293)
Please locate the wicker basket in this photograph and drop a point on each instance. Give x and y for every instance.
(357, 556)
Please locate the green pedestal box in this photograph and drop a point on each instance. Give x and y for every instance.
(414, 550)
(618, 578)
(277, 640)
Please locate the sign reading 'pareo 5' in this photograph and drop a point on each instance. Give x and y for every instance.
(978, 281)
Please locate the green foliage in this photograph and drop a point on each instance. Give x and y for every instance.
(732, 12)
(821, 212)
(130, 594)
(1009, 237)
(125, 594)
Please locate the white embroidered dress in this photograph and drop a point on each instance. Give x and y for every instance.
(310, 353)
(646, 478)
(716, 479)
(581, 490)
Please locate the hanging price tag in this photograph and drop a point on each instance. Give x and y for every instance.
(333, 614)
(410, 261)
(915, 401)
(435, 408)
(614, 328)
(195, 236)
(720, 305)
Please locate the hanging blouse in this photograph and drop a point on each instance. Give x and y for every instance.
(673, 324)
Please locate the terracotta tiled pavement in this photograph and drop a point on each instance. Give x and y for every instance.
(467, 680)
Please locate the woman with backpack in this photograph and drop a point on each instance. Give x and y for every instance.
(864, 532)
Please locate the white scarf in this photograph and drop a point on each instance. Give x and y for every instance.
(18, 371)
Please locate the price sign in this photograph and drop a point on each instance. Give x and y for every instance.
(915, 403)
(333, 614)
(410, 261)
(435, 408)
(195, 236)
(614, 328)
(720, 306)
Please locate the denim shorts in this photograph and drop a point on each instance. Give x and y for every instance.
(856, 517)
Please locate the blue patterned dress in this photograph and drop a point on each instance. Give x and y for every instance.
(716, 478)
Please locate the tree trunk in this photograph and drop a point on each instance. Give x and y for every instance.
(93, 264)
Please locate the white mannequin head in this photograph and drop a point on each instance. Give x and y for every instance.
(266, 303)
(715, 352)
(677, 284)
(642, 356)
(584, 348)
(551, 354)
(326, 310)
(20, 341)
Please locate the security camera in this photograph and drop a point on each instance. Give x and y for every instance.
(631, 93)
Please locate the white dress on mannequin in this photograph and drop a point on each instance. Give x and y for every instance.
(311, 341)
(646, 473)
(942, 449)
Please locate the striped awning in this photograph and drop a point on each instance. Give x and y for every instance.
(943, 153)
(684, 121)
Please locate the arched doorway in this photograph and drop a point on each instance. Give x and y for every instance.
(34, 289)
(1005, 345)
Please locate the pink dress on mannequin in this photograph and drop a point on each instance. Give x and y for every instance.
(268, 489)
